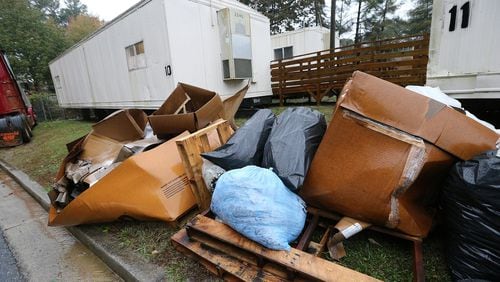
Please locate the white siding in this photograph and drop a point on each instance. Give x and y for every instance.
(306, 40)
(179, 34)
(197, 49)
(465, 61)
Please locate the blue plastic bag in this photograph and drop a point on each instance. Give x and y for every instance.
(255, 202)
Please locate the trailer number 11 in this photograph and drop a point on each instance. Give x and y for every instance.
(465, 16)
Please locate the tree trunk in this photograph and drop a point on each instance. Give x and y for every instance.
(319, 21)
(332, 25)
(341, 17)
(382, 23)
(356, 38)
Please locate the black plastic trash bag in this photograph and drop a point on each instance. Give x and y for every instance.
(293, 141)
(471, 203)
(246, 146)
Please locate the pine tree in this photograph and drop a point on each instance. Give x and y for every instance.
(343, 23)
(420, 17)
(73, 8)
(290, 14)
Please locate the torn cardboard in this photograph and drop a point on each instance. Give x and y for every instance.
(151, 185)
(114, 172)
(344, 229)
(391, 149)
(187, 108)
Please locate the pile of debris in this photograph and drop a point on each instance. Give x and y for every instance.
(265, 188)
(128, 165)
(381, 164)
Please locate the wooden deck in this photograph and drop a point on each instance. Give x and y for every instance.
(401, 60)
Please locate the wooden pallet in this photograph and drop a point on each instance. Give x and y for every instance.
(230, 256)
(191, 146)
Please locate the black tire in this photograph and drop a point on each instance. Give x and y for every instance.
(27, 125)
(20, 124)
(4, 126)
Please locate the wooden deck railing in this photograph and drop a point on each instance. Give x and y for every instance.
(401, 60)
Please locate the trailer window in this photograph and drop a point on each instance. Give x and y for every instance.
(57, 82)
(283, 53)
(136, 58)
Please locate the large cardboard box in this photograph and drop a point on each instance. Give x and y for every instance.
(187, 108)
(150, 185)
(386, 153)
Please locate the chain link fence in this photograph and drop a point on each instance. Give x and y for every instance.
(47, 109)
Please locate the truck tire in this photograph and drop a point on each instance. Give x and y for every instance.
(27, 125)
(19, 123)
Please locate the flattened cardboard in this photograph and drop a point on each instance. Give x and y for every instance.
(204, 107)
(122, 125)
(377, 161)
(100, 149)
(151, 185)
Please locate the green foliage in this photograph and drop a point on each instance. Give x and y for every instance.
(290, 14)
(34, 32)
(30, 41)
(81, 26)
(343, 24)
(376, 16)
(49, 8)
(73, 8)
(420, 17)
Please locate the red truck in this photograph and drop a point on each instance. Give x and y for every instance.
(17, 117)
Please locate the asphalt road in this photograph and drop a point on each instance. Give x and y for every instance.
(8, 265)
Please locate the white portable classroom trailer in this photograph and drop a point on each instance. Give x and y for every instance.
(138, 58)
(302, 41)
(463, 52)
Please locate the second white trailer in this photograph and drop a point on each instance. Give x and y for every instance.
(301, 41)
(138, 58)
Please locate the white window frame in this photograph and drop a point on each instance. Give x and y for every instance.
(136, 56)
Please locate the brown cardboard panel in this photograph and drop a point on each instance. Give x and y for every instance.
(148, 186)
(418, 115)
(386, 154)
(100, 149)
(204, 107)
(357, 170)
(174, 123)
(122, 125)
(211, 112)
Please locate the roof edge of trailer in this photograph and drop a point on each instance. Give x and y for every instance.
(234, 3)
(319, 29)
(134, 8)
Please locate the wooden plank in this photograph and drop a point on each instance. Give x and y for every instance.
(224, 131)
(334, 73)
(212, 126)
(237, 253)
(300, 261)
(219, 263)
(190, 147)
(324, 239)
(308, 232)
(418, 262)
(350, 66)
(336, 217)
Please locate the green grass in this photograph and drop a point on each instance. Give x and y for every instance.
(41, 157)
(388, 259)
